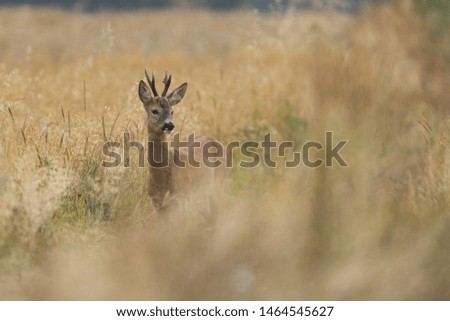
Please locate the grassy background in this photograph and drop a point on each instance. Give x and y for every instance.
(379, 229)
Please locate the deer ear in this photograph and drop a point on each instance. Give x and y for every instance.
(144, 92)
(178, 94)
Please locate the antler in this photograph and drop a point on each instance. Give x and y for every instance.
(152, 83)
(166, 82)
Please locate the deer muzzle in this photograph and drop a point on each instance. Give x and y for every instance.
(168, 127)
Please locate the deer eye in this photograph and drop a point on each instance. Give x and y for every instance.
(171, 112)
(155, 112)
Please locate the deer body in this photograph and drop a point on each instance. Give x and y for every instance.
(167, 179)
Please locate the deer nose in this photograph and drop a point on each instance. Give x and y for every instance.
(168, 127)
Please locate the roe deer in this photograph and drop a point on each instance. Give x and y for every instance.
(167, 179)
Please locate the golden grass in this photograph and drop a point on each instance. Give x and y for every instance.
(379, 229)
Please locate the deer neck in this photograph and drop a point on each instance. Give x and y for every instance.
(160, 162)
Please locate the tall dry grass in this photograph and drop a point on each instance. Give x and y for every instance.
(378, 229)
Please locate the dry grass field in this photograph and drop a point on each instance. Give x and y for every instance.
(376, 230)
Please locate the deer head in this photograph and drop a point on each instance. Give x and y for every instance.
(159, 108)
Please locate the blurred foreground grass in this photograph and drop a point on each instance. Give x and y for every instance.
(379, 229)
